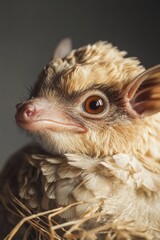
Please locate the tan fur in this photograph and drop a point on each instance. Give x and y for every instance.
(100, 63)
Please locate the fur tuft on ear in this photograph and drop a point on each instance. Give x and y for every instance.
(141, 97)
(63, 48)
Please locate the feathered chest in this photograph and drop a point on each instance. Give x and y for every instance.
(51, 182)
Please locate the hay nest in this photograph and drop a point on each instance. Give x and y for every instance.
(46, 228)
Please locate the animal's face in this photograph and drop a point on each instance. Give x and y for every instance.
(79, 104)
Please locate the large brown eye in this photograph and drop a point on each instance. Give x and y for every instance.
(94, 105)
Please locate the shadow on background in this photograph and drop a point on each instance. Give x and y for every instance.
(29, 31)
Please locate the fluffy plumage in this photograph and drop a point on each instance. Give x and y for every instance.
(108, 161)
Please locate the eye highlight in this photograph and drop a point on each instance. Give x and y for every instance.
(94, 105)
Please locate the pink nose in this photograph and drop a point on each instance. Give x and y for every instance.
(25, 111)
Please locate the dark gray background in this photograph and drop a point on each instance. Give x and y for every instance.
(30, 29)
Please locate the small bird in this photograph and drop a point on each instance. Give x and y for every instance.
(95, 116)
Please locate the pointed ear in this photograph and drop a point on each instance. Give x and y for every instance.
(63, 48)
(141, 97)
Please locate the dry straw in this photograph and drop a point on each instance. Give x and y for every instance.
(48, 229)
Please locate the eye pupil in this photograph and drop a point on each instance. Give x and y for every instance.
(94, 105)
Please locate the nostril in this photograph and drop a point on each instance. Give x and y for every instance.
(30, 111)
(25, 111)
